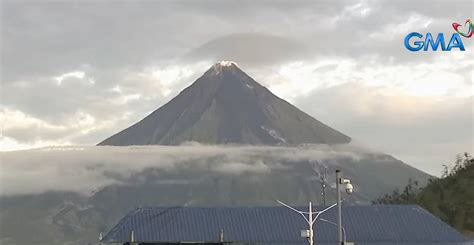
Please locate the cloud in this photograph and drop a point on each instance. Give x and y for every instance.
(423, 133)
(252, 49)
(86, 169)
(77, 72)
(28, 129)
(42, 38)
(76, 110)
(448, 76)
(239, 168)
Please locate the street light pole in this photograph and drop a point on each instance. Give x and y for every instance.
(339, 208)
(349, 189)
(310, 216)
(310, 220)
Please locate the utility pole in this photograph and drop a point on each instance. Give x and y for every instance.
(339, 208)
(323, 188)
(310, 215)
(349, 189)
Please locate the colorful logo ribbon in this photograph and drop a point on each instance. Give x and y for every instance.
(468, 24)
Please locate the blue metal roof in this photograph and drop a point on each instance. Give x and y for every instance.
(370, 224)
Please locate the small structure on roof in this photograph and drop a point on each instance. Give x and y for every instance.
(369, 225)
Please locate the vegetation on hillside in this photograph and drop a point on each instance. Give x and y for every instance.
(450, 197)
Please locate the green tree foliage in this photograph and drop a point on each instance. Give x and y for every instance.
(451, 197)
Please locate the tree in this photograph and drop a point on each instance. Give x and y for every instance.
(451, 197)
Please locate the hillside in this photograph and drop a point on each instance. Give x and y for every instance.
(450, 197)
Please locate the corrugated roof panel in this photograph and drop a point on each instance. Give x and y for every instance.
(372, 224)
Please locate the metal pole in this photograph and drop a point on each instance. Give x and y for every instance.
(310, 221)
(323, 187)
(310, 224)
(339, 209)
(132, 236)
(100, 237)
(332, 223)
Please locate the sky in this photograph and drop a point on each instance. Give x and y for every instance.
(76, 72)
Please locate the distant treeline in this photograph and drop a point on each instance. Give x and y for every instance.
(450, 197)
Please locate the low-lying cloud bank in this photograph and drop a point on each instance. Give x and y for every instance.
(87, 169)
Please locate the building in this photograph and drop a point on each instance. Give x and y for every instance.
(370, 225)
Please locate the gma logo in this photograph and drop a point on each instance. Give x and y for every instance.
(428, 42)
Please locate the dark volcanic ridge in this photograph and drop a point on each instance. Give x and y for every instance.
(226, 106)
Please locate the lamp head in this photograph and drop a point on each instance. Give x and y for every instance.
(349, 188)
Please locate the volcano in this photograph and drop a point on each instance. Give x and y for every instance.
(226, 106)
(223, 106)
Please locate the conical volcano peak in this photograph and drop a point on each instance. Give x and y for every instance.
(226, 63)
(227, 106)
